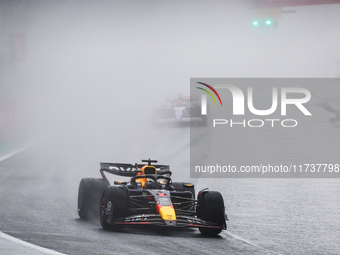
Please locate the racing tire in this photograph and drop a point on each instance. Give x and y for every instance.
(89, 194)
(211, 208)
(114, 204)
(179, 186)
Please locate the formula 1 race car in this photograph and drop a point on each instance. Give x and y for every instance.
(149, 198)
(180, 110)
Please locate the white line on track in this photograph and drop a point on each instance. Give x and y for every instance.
(29, 245)
(250, 243)
(16, 240)
(11, 154)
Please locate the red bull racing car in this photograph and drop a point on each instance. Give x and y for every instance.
(149, 198)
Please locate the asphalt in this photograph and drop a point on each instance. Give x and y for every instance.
(38, 188)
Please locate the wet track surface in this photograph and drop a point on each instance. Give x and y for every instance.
(90, 75)
(40, 207)
(283, 216)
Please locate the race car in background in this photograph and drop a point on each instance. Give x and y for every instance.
(149, 198)
(180, 110)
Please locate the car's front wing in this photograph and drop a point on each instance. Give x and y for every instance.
(155, 219)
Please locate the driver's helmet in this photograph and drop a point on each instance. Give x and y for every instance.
(147, 182)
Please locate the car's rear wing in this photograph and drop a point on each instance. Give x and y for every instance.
(129, 170)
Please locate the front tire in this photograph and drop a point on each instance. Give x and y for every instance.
(211, 208)
(114, 204)
(89, 193)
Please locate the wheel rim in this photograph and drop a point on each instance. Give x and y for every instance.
(102, 209)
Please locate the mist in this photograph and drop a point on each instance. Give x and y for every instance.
(95, 70)
(83, 90)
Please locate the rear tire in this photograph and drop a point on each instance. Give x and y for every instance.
(179, 186)
(114, 204)
(211, 208)
(89, 193)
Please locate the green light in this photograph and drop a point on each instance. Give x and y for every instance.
(255, 23)
(268, 22)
